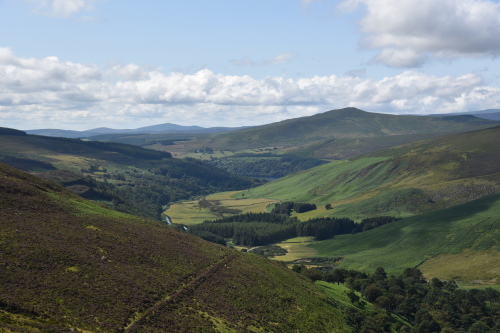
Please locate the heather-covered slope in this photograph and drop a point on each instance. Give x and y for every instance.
(66, 263)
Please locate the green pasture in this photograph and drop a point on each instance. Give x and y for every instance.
(297, 249)
(189, 212)
(316, 213)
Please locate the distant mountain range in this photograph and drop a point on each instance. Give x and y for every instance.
(162, 128)
(491, 114)
(336, 134)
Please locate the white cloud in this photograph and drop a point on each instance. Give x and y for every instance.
(62, 8)
(409, 32)
(280, 59)
(48, 92)
(401, 58)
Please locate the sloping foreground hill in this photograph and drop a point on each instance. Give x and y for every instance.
(67, 264)
(401, 181)
(458, 243)
(128, 178)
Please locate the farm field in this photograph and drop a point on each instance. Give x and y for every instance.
(297, 249)
(320, 211)
(221, 204)
(188, 213)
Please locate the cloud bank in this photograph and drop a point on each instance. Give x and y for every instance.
(408, 33)
(48, 92)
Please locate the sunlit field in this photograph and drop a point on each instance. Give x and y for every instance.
(297, 249)
(190, 212)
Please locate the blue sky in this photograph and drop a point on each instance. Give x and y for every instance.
(81, 64)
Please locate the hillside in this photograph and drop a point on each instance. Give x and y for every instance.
(128, 178)
(401, 181)
(67, 264)
(303, 134)
(491, 114)
(346, 123)
(459, 243)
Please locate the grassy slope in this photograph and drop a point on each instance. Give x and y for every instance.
(460, 231)
(465, 266)
(303, 185)
(401, 181)
(339, 149)
(68, 263)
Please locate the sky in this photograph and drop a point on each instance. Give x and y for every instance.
(83, 64)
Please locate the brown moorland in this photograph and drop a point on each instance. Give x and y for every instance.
(69, 264)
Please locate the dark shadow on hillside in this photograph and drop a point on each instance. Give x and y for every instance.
(463, 211)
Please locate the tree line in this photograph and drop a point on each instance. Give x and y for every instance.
(288, 206)
(257, 229)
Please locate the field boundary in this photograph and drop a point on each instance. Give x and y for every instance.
(181, 292)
